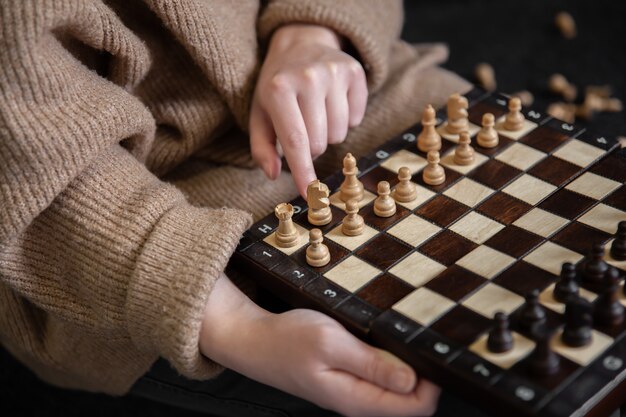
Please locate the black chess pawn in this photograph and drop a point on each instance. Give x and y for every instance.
(532, 315)
(618, 248)
(594, 266)
(578, 321)
(543, 360)
(566, 287)
(608, 311)
(500, 339)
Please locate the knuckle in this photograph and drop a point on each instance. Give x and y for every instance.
(279, 83)
(293, 139)
(310, 75)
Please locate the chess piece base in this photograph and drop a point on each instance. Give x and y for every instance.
(320, 217)
(315, 261)
(577, 337)
(286, 241)
(385, 213)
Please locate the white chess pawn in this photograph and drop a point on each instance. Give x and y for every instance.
(317, 254)
(464, 153)
(353, 223)
(457, 114)
(434, 173)
(514, 119)
(488, 135)
(351, 188)
(384, 206)
(287, 234)
(428, 139)
(406, 190)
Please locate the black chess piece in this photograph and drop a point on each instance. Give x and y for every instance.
(532, 314)
(594, 266)
(578, 321)
(566, 287)
(500, 339)
(618, 248)
(543, 360)
(608, 311)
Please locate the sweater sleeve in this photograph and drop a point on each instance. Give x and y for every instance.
(87, 234)
(371, 26)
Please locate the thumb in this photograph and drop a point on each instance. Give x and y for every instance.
(263, 142)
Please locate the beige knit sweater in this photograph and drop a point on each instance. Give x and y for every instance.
(124, 183)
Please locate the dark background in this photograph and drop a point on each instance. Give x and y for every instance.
(518, 38)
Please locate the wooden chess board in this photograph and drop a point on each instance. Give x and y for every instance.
(426, 282)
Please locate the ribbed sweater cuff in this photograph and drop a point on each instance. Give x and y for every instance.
(178, 266)
(370, 27)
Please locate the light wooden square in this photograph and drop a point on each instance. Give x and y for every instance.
(417, 269)
(593, 185)
(352, 273)
(423, 306)
(404, 158)
(485, 261)
(476, 227)
(550, 257)
(582, 355)
(303, 236)
(607, 257)
(492, 298)
(472, 129)
(541, 222)
(529, 189)
(603, 217)
(448, 161)
(423, 195)
(414, 230)
(520, 156)
(351, 242)
(521, 348)
(547, 298)
(579, 153)
(515, 134)
(468, 192)
(368, 197)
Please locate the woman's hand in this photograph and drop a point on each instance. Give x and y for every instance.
(308, 94)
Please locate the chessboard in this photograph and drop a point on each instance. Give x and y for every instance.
(476, 262)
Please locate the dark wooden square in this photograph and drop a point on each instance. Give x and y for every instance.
(579, 237)
(475, 112)
(382, 223)
(442, 210)
(503, 143)
(504, 208)
(544, 139)
(294, 273)
(455, 282)
(618, 198)
(447, 247)
(566, 203)
(554, 170)
(612, 167)
(494, 174)
(384, 291)
(514, 241)
(461, 325)
(383, 251)
(451, 177)
(371, 179)
(337, 253)
(523, 277)
(338, 215)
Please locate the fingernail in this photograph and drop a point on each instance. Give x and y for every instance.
(267, 168)
(400, 380)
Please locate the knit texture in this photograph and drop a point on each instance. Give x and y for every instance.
(125, 178)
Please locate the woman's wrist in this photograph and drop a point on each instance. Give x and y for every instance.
(300, 33)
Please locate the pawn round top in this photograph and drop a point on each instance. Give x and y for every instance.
(597, 250)
(433, 157)
(352, 206)
(557, 83)
(404, 174)
(488, 120)
(429, 114)
(621, 227)
(501, 319)
(315, 236)
(464, 137)
(515, 104)
(284, 211)
(349, 161)
(532, 295)
(384, 188)
(568, 269)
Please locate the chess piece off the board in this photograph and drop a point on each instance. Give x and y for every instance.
(434, 173)
(566, 287)
(500, 339)
(406, 190)
(353, 223)
(351, 188)
(488, 135)
(618, 247)
(558, 84)
(428, 139)
(457, 114)
(464, 153)
(578, 321)
(317, 194)
(514, 119)
(287, 234)
(317, 253)
(384, 206)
